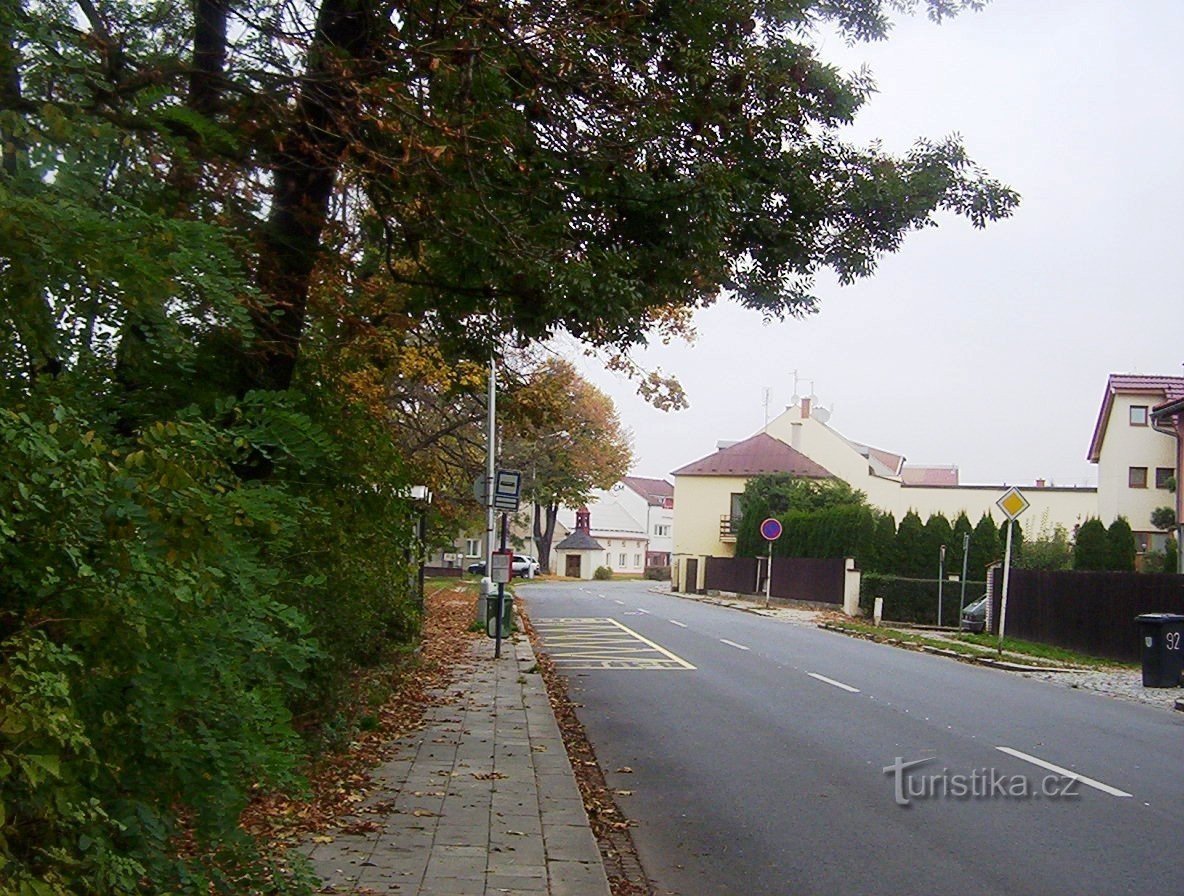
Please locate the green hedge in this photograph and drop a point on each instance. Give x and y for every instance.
(915, 600)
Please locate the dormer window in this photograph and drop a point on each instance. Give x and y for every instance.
(1138, 415)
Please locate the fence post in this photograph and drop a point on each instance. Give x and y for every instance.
(851, 581)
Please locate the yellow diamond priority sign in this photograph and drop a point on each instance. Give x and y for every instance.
(1013, 503)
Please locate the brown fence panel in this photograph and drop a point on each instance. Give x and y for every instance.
(806, 578)
(1090, 612)
(794, 578)
(736, 574)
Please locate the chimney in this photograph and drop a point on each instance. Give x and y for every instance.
(795, 436)
(805, 408)
(1040, 483)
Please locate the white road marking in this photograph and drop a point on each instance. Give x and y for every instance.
(621, 602)
(1088, 782)
(640, 610)
(831, 681)
(733, 644)
(679, 624)
(661, 650)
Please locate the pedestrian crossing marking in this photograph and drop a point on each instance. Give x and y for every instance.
(584, 643)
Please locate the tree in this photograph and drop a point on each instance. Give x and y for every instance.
(984, 547)
(1091, 548)
(962, 529)
(566, 437)
(1164, 518)
(912, 548)
(1121, 541)
(492, 170)
(778, 494)
(939, 533)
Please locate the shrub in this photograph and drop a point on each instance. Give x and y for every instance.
(1091, 549)
(658, 573)
(602, 573)
(915, 600)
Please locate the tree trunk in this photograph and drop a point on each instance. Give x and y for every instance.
(304, 169)
(543, 534)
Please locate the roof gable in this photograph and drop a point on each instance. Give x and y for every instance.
(756, 455)
(1158, 389)
(653, 490)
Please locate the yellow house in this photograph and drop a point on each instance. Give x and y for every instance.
(800, 442)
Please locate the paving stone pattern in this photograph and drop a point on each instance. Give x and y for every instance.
(481, 801)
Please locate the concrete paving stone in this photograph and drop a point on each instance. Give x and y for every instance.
(576, 878)
(447, 886)
(516, 885)
(570, 841)
(458, 835)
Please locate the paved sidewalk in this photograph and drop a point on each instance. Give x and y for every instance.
(481, 801)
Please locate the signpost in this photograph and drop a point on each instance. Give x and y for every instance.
(770, 532)
(507, 487)
(1013, 503)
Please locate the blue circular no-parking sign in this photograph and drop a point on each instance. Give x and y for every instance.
(771, 529)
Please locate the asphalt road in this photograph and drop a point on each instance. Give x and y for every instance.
(758, 751)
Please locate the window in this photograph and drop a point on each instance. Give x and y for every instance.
(621, 564)
(1138, 415)
(1137, 477)
(1163, 476)
(472, 547)
(735, 508)
(661, 530)
(636, 560)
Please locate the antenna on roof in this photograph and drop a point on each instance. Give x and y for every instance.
(767, 392)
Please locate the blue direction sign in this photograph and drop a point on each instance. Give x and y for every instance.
(771, 529)
(506, 489)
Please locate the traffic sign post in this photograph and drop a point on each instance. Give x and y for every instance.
(1013, 503)
(507, 488)
(770, 532)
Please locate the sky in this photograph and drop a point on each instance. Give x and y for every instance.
(986, 349)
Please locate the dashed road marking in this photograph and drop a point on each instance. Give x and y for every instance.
(1088, 782)
(732, 644)
(831, 681)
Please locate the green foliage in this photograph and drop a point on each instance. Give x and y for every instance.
(1121, 541)
(602, 574)
(916, 600)
(1091, 548)
(1164, 518)
(984, 547)
(805, 505)
(912, 548)
(1050, 549)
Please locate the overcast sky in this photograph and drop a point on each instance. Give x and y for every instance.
(988, 349)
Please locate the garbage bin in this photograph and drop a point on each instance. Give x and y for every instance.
(1161, 636)
(507, 614)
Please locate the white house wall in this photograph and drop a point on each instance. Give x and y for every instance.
(1125, 446)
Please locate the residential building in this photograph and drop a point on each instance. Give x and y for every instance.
(1136, 447)
(613, 545)
(634, 520)
(801, 442)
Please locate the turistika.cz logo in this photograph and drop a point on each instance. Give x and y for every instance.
(980, 784)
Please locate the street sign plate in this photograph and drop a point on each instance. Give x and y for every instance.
(1013, 503)
(771, 529)
(506, 489)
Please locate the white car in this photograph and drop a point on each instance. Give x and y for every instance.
(524, 566)
(520, 565)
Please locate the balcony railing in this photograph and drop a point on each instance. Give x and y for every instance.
(728, 528)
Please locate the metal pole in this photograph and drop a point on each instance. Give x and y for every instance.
(490, 464)
(501, 600)
(965, 561)
(941, 580)
(769, 576)
(1006, 572)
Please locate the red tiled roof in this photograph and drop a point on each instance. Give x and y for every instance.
(1163, 388)
(756, 455)
(941, 476)
(887, 458)
(653, 490)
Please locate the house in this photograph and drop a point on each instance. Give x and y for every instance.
(617, 545)
(1168, 417)
(1137, 449)
(802, 443)
(634, 520)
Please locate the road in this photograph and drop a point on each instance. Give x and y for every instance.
(758, 750)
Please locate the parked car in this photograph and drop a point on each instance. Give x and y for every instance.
(974, 616)
(521, 565)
